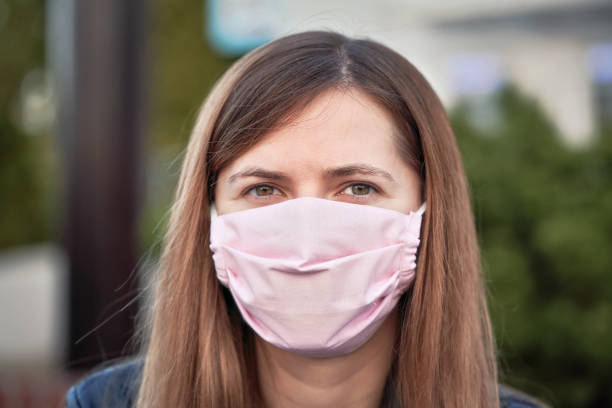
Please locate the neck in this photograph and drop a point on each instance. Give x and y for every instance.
(357, 380)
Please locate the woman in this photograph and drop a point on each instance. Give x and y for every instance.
(321, 250)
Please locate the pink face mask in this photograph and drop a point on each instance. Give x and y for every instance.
(314, 276)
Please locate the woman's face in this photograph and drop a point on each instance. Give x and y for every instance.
(342, 147)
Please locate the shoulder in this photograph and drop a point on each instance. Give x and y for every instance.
(115, 386)
(511, 398)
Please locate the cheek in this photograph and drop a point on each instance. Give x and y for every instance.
(222, 194)
(409, 197)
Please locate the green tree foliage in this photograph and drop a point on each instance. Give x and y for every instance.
(24, 212)
(25, 206)
(544, 218)
(183, 70)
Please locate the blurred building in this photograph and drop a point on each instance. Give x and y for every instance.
(557, 51)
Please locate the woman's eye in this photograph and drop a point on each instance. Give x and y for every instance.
(262, 191)
(358, 189)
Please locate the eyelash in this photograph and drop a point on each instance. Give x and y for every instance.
(375, 189)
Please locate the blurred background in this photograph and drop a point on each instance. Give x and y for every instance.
(97, 100)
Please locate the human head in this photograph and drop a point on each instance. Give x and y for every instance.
(199, 350)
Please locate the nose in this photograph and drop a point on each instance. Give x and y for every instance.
(309, 188)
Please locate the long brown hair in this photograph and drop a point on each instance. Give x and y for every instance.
(199, 353)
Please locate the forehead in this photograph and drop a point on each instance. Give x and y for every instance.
(337, 127)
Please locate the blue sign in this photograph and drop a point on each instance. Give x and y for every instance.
(234, 27)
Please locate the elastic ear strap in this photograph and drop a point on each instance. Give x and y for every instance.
(421, 209)
(213, 211)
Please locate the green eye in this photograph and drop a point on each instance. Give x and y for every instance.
(263, 190)
(360, 189)
(360, 192)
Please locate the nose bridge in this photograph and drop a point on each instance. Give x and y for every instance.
(307, 180)
(309, 187)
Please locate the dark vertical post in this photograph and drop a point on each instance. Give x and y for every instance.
(102, 132)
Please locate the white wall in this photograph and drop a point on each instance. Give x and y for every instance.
(33, 307)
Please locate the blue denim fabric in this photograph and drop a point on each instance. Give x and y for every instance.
(117, 387)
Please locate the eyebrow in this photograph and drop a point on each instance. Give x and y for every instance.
(337, 172)
(358, 168)
(258, 172)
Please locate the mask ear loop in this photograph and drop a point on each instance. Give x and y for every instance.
(213, 211)
(421, 209)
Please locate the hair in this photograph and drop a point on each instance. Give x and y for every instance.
(198, 351)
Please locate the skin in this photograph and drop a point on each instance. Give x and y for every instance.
(341, 147)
